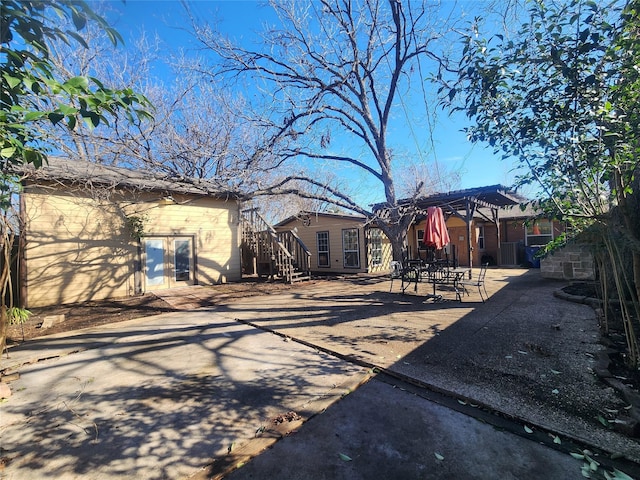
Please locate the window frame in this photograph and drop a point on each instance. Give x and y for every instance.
(541, 225)
(420, 237)
(326, 252)
(350, 252)
(179, 266)
(375, 246)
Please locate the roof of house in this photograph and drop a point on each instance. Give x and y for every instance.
(491, 196)
(522, 211)
(302, 215)
(79, 172)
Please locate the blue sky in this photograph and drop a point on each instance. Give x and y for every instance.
(477, 164)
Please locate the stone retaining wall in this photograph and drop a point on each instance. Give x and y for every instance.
(572, 262)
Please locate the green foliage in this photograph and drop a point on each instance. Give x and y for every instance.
(27, 73)
(9, 185)
(32, 93)
(562, 97)
(548, 98)
(135, 225)
(18, 316)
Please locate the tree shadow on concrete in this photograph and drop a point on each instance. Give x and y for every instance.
(523, 352)
(374, 326)
(165, 401)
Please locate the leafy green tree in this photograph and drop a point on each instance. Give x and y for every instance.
(626, 150)
(27, 73)
(31, 93)
(561, 96)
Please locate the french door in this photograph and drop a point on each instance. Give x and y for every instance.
(168, 262)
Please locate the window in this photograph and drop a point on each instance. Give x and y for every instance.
(375, 245)
(420, 234)
(481, 238)
(351, 248)
(322, 239)
(539, 232)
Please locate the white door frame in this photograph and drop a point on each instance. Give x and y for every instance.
(165, 263)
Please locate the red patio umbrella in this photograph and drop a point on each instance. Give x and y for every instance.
(435, 230)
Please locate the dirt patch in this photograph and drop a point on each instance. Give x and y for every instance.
(90, 314)
(87, 314)
(582, 289)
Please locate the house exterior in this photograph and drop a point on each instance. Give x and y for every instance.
(520, 233)
(340, 243)
(485, 224)
(513, 241)
(93, 232)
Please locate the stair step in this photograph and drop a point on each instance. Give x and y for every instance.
(270, 249)
(300, 279)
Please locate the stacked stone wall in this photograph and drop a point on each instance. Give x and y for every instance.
(572, 262)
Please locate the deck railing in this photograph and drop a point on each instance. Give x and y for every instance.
(280, 254)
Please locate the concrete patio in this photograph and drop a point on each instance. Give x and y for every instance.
(197, 393)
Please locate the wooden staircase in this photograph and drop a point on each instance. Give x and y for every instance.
(266, 252)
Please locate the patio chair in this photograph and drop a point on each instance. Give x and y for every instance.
(395, 271)
(407, 274)
(478, 282)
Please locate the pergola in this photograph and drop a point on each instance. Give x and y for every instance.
(465, 204)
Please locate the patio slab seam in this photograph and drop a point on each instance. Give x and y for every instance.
(544, 434)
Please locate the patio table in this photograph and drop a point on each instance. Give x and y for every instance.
(435, 274)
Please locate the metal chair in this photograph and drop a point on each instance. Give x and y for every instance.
(478, 282)
(407, 274)
(395, 271)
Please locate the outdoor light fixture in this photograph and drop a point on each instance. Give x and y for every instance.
(168, 200)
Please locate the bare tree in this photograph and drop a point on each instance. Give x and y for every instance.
(204, 136)
(198, 130)
(336, 73)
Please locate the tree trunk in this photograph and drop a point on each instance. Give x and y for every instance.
(636, 276)
(396, 231)
(4, 327)
(6, 300)
(397, 246)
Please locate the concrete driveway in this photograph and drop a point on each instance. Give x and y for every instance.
(198, 393)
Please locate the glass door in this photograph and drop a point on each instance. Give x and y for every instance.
(182, 262)
(351, 248)
(154, 268)
(168, 262)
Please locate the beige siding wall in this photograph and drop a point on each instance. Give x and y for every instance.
(76, 250)
(335, 227)
(80, 248)
(212, 223)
